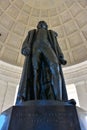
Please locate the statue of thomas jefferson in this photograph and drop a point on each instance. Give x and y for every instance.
(42, 76)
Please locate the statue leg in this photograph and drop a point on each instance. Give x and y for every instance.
(56, 82)
(36, 62)
(53, 65)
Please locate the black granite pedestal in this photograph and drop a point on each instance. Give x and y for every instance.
(40, 115)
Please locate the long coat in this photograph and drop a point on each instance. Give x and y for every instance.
(26, 90)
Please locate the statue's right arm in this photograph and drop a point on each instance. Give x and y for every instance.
(26, 47)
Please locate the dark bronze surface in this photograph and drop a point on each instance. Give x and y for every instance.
(43, 115)
(42, 102)
(42, 76)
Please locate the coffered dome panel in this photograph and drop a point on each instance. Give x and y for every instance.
(67, 17)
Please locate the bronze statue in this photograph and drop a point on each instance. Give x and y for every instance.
(42, 76)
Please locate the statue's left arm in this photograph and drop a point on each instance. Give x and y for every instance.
(62, 61)
(59, 51)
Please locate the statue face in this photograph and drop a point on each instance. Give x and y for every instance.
(42, 24)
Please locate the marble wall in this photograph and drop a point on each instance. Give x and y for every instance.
(10, 77)
(77, 75)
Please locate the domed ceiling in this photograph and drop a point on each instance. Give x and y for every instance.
(67, 17)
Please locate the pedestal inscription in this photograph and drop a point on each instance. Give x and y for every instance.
(44, 118)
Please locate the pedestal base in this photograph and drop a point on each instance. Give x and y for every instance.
(40, 115)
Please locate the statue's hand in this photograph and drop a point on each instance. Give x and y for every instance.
(26, 51)
(62, 61)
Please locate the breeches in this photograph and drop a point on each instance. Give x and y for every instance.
(46, 51)
(52, 62)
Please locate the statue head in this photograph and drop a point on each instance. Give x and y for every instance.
(42, 24)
